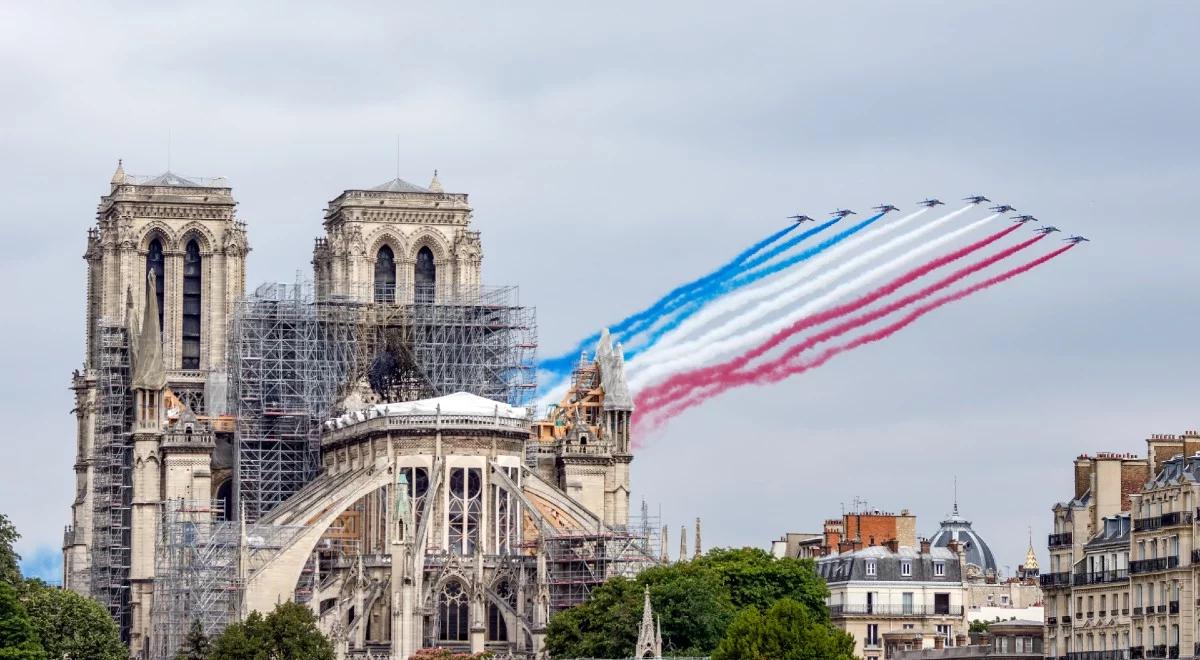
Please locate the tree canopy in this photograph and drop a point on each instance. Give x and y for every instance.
(289, 632)
(18, 639)
(10, 567)
(71, 626)
(786, 631)
(696, 602)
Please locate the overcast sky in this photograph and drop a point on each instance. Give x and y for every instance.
(613, 152)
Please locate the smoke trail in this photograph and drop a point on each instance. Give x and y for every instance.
(725, 339)
(677, 385)
(638, 321)
(785, 367)
(743, 279)
(792, 279)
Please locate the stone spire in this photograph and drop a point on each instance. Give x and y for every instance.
(666, 533)
(649, 644)
(118, 177)
(698, 551)
(683, 543)
(148, 372)
(435, 185)
(1031, 562)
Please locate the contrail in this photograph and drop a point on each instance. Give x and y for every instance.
(676, 297)
(675, 386)
(747, 278)
(724, 339)
(791, 279)
(786, 365)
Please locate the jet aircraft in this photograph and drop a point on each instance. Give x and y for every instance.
(930, 203)
(1025, 218)
(976, 199)
(841, 213)
(1003, 208)
(886, 208)
(1047, 229)
(1076, 239)
(800, 219)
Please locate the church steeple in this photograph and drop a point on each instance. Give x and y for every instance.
(649, 644)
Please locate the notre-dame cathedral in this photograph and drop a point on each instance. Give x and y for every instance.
(361, 443)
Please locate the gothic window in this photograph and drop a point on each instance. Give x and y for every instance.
(425, 276)
(504, 513)
(385, 275)
(418, 485)
(191, 306)
(466, 490)
(154, 264)
(453, 613)
(497, 630)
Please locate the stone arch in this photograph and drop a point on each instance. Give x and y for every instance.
(203, 237)
(389, 238)
(432, 239)
(156, 229)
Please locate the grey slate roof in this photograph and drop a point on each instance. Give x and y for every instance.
(1114, 533)
(401, 186)
(852, 566)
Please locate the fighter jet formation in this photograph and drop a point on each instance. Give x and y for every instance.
(933, 201)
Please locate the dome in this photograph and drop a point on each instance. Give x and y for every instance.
(957, 528)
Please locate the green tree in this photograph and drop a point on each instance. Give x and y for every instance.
(289, 632)
(71, 626)
(18, 639)
(603, 626)
(196, 645)
(10, 561)
(692, 604)
(787, 631)
(755, 578)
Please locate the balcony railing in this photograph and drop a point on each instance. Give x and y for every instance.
(1176, 518)
(1113, 654)
(1059, 540)
(893, 610)
(1101, 577)
(1196, 556)
(1150, 565)
(1137, 611)
(1147, 524)
(1173, 607)
(1051, 580)
(1136, 652)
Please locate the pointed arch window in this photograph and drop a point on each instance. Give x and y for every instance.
(453, 613)
(424, 276)
(154, 264)
(192, 272)
(385, 275)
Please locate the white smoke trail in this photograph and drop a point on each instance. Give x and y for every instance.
(723, 340)
(791, 277)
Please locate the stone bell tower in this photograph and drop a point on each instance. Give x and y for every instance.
(397, 243)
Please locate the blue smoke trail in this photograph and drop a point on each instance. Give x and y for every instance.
(747, 278)
(635, 323)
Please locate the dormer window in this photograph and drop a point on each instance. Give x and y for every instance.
(906, 568)
(870, 567)
(939, 569)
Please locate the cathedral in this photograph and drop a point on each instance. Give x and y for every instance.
(362, 443)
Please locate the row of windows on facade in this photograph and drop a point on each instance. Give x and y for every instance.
(192, 297)
(1146, 549)
(1167, 592)
(1143, 637)
(939, 568)
(945, 631)
(463, 519)
(454, 615)
(424, 276)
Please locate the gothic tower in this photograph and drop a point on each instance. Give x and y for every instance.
(397, 243)
(169, 250)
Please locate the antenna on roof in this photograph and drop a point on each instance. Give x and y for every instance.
(956, 496)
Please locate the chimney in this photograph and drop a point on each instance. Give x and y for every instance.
(952, 546)
(858, 544)
(1083, 475)
(924, 546)
(845, 546)
(893, 545)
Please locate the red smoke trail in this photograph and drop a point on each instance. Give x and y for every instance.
(784, 366)
(680, 384)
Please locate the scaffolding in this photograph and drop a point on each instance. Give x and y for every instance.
(196, 573)
(578, 561)
(293, 358)
(112, 455)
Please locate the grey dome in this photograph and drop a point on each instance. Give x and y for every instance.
(957, 528)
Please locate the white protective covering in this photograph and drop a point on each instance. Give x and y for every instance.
(459, 403)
